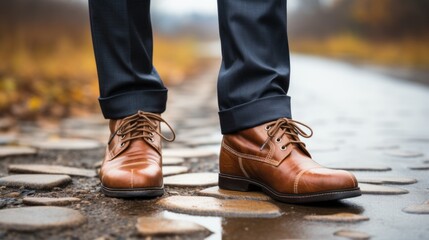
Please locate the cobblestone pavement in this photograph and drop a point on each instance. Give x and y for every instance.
(368, 123)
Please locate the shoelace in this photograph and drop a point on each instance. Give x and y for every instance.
(141, 125)
(289, 127)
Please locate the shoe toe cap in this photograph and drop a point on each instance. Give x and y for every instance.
(134, 176)
(323, 180)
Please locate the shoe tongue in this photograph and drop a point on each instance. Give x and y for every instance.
(138, 143)
(301, 149)
(144, 142)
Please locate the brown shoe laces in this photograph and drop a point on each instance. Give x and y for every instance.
(141, 125)
(288, 127)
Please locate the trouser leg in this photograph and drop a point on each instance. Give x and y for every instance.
(254, 75)
(122, 39)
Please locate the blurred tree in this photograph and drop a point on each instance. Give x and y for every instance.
(393, 32)
(370, 18)
(47, 66)
(392, 18)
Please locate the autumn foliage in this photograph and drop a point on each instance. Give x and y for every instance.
(391, 32)
(47, 66)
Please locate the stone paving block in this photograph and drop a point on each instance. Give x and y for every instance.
(420, 167)
(368, 168)
(228, 194)
(418, 209)
(174, 170)
(174, 145)
(35, 181)
(350, 234)
(98, 134)
(215, 149)
(387, 180)
(97, 164)
(7, 139)
(380, 190)
(12, 194)
(51, 169)
(209, 206)
(419, 139)
(206, 140)
(192, 179)
(197, 132)
(337, 217)
(6, 123)
(39, 218)
(172, 160)
(7, 151)
(156, 226)
(403, 153)
(66, 144)
(47, 201)
(383, 146)
(187, 153)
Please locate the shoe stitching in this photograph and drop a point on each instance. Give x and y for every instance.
(119, 149)
(309, 195)
(240, 163)
(298, 177)
(271, 152)
(296, 180)
(243, 155)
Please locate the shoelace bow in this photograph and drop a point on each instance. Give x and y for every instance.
(141, 125)
(288, 127)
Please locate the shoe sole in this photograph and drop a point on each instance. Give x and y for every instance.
(132, 192)
(234, 183)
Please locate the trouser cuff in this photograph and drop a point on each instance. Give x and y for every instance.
(126, 104)
(254, 113)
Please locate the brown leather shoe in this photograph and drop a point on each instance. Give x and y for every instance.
(133, 163)
(272, 157)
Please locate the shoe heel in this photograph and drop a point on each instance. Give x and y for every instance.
(233, 184)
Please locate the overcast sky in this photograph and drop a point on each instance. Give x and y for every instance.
(183, 7)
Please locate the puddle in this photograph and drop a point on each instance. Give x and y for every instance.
(214, 224)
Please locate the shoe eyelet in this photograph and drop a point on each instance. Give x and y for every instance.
(123, 144)
(123, 136)
(278, 140)
(151, 134)
(267, 128)
(283, 148)
(151, 139)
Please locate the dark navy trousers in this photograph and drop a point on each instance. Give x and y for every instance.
(253, 79)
